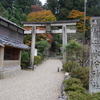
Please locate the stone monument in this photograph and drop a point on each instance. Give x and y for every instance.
(94, 77)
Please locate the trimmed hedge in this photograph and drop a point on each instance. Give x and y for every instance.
(75, 90)
(68, 83)
(73, 95)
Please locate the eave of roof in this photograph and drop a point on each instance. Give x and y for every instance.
(4, 40)
(3, 19)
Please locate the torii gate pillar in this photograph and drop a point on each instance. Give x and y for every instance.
(33, 47)
(64, 38)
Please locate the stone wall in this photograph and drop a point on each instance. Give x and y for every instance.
(6, 72)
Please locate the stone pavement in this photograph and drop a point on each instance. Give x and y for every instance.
(44, 83)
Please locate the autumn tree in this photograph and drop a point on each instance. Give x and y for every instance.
(75, 14)
(45, 15)
(40, 16)
(36, 8)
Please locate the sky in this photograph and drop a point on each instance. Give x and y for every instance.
(43, 1)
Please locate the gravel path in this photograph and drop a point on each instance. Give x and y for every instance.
(44, 83)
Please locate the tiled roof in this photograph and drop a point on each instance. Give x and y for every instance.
(12, 42)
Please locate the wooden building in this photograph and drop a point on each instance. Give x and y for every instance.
(11, 44)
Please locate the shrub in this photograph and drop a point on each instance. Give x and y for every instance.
(41, 55)
(41, 46)
(68, 83)
(77, 88)
(68, 66)
(37, 60)
(73, 73)
(82, 74)
(74, 50)
(25, 59)
(96, 96)
(73, 95)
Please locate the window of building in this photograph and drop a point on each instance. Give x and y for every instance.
(11, 53)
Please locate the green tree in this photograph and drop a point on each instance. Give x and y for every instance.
(5, 14)
(93, 7)
(56, 43)
(63, 7)
(14, 20)
(41, 46)
(23, 17)
(53, 6)
(73, 50)
(1, 9)
(75, 14)
(7, 3)
(26, 4)
(16, 10)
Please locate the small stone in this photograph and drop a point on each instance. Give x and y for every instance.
(66, 78)
(66, 74)
(64, 93)
(62, 69)
(60, 99)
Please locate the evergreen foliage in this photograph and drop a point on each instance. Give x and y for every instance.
(69, 66)
(68, 83)
(82, 74)
(62, 8)
(37, 60)
(25, 59)
(17, 10)
(41, 46)
(74, 51)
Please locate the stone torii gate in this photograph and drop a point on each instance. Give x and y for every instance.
(67, 26)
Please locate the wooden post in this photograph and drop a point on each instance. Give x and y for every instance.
(1, 56)
(32, 47)
(1, 61)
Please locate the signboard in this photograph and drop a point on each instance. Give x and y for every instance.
(35, 53)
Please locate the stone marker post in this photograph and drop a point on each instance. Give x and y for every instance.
(94, 77)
